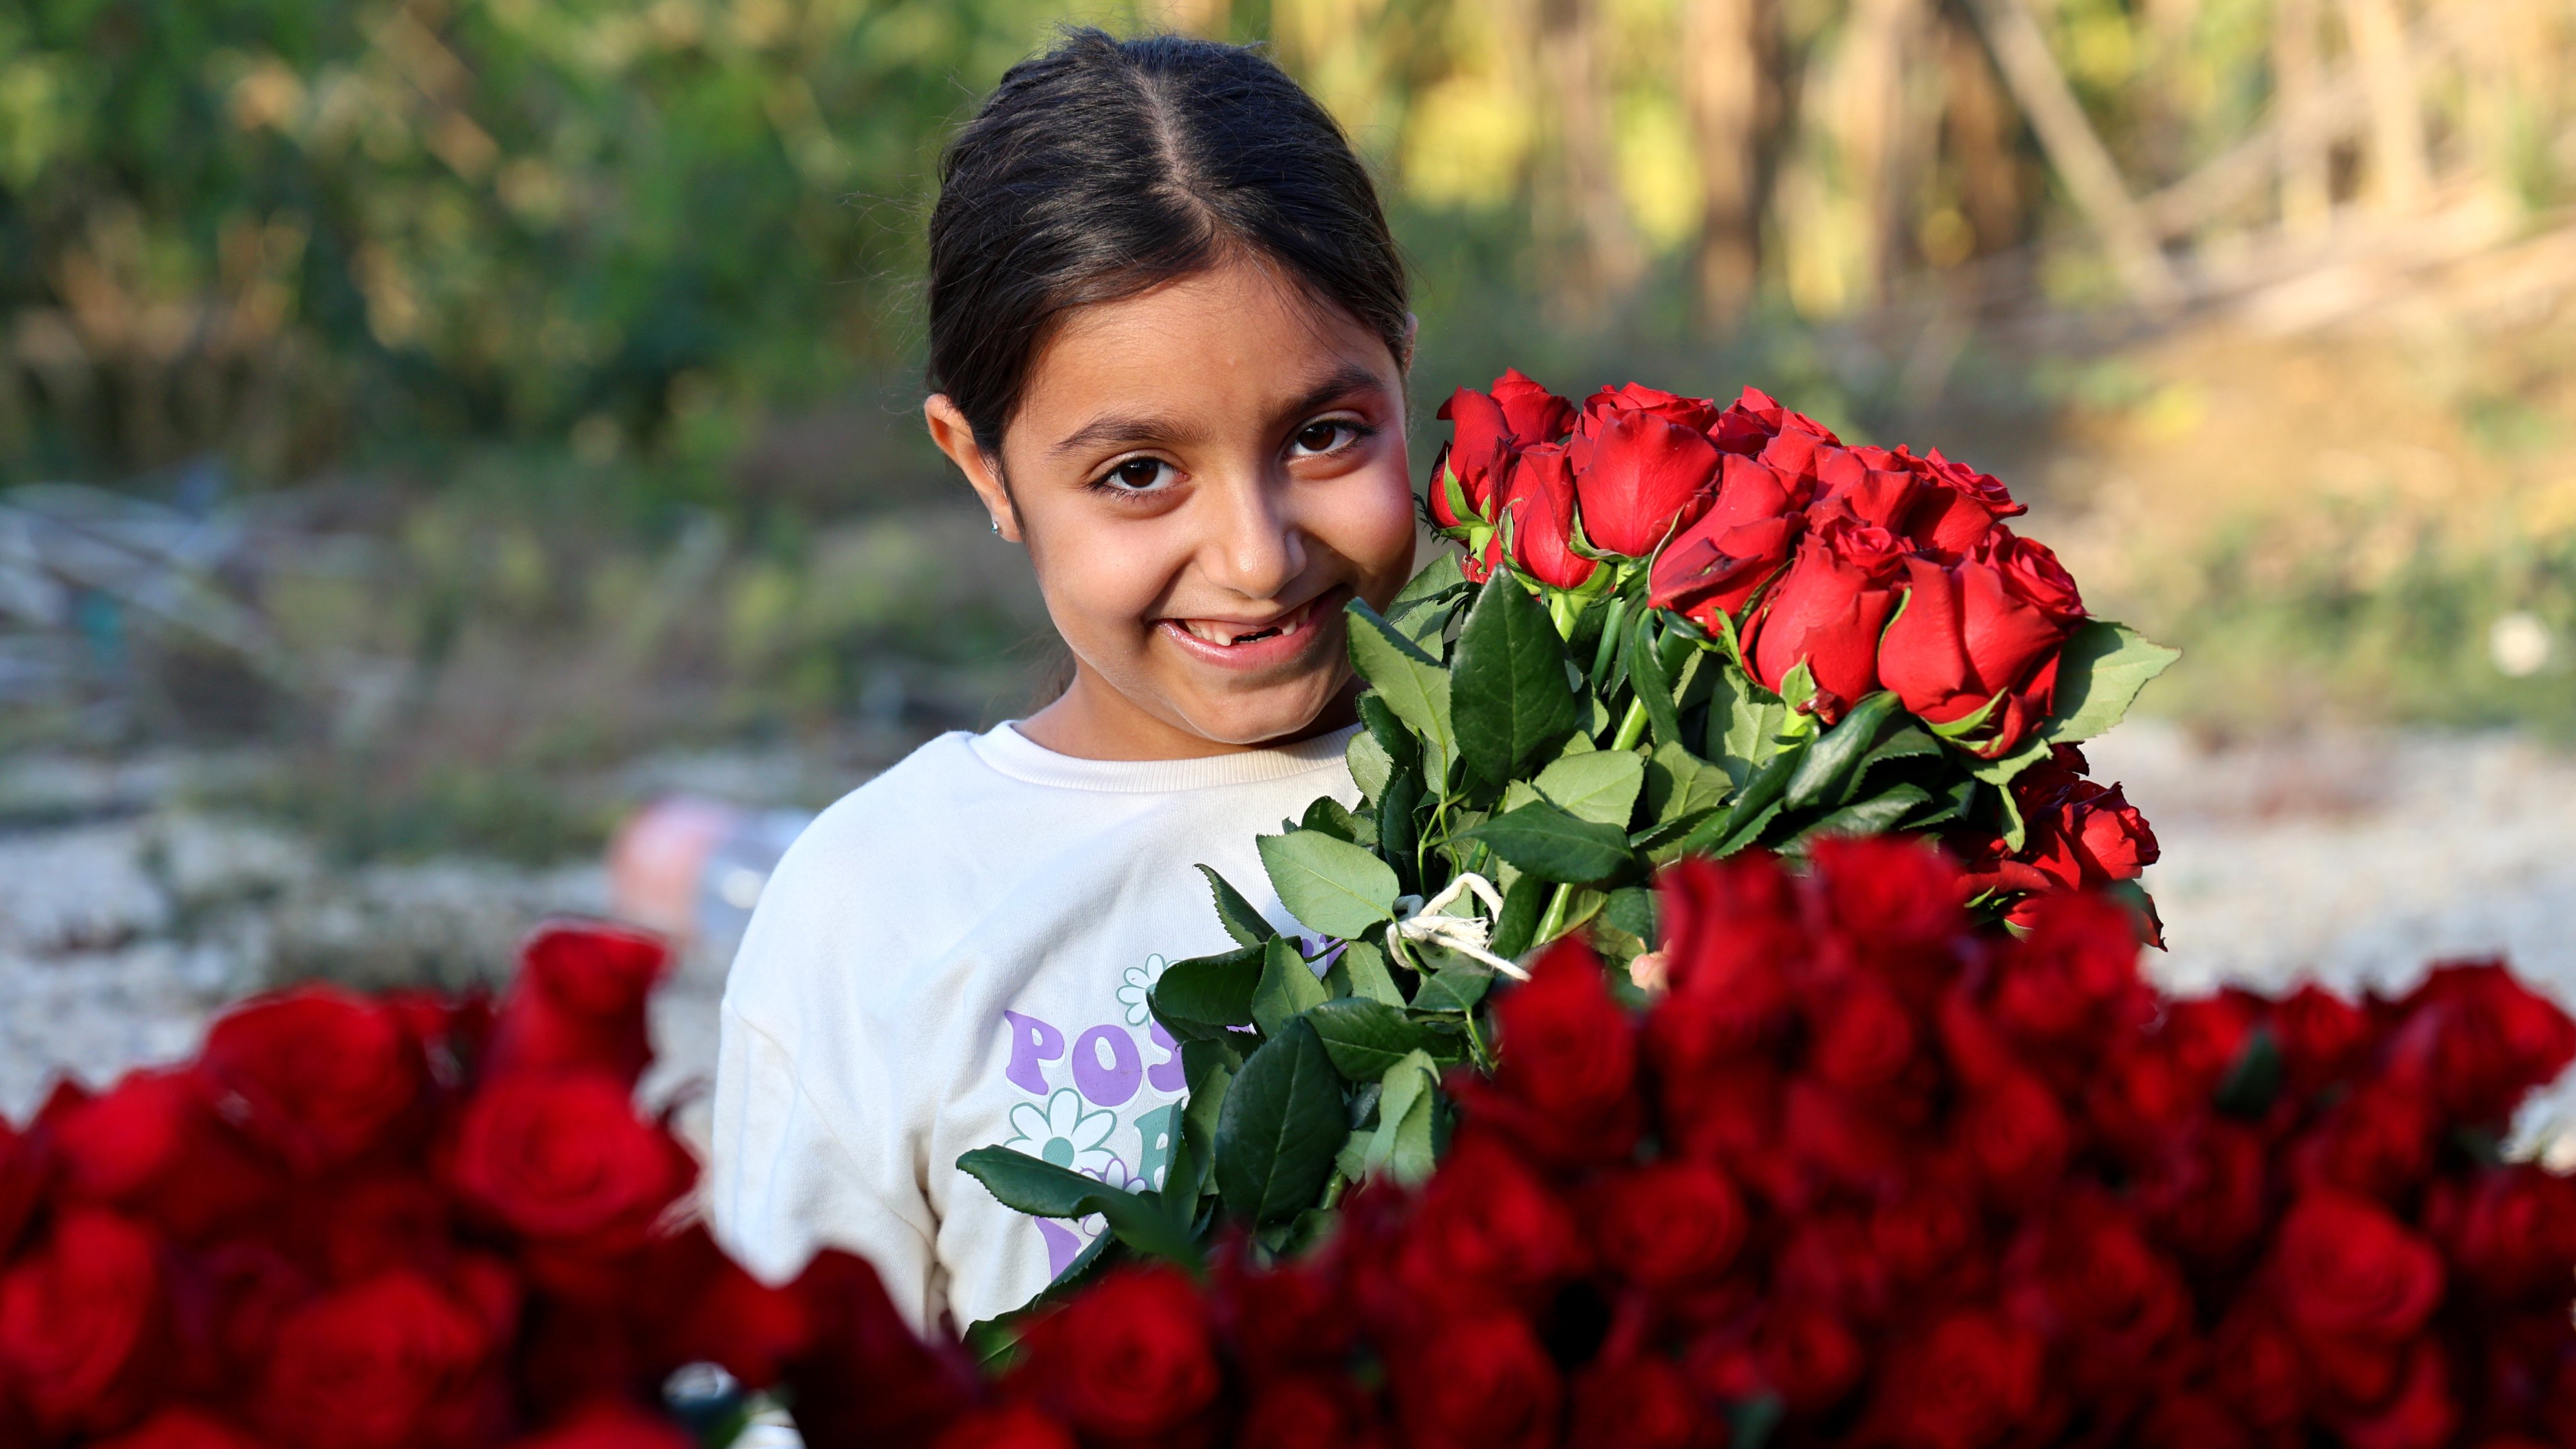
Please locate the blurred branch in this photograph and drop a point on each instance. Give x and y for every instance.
(2092, 178)
(2399, 173)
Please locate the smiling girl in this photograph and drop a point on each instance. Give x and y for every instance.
(1168, 338)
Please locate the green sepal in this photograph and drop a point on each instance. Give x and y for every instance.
(2253, 1080)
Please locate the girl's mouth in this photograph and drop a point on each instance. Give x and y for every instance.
(1242, 644)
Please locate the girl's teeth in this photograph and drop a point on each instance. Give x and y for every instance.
(1230, 638)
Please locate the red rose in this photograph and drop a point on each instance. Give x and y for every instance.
(1130, 1356)
(1698, 414)
(153, 1145)
(1865, 485)
(2075, 973)
(380, 1222)
(1298, 1410)
(578, 1001)
(1293, 1313)
(2210, 1195)
(1748, 423)
(1932, 1233)
(1956, 509)
(1825, 1262)
(317, 1074)
(1980, 635)
(1007, 1426)
(79, 1323)
(1647, 477)
(2323, 1038)
(610, 1425)
(1807, 1357)
(1889, 892)
(2511, 1231)
(1485, 1233)
(1565, 1083)
(2346, 1269)
(2255, 1367)
(2191, 1421)
(1489, 428)
(1538, 503)
(1730, 927)
(182, 1428)
(1862, 1035)
(2419, 1414)
(1636, 1402)
(704, 1307)
(567, 1158)
(2084, 1273)
(2476, 1039)
(864, 1378)
(1717, 564)
(2011, 1129)
(390, 1361)
(1965, 1383)
(1667, 1225)
(1534, 414)
(1840, 1139)
(1477, 1383)
(1826, 612)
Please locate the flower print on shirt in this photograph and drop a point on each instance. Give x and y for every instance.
(1063, 1133)
(1135, 994)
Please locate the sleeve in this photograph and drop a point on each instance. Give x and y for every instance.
(784, 1184)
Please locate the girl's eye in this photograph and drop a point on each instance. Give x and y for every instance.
(1136, 475)
(1325, 436)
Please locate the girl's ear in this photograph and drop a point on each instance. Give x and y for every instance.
(955, 437)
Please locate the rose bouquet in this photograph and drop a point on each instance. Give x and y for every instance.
(1872, 1175)
(409, 1223)
(1673, 629)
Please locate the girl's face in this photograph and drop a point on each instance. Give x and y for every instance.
(1203, 475)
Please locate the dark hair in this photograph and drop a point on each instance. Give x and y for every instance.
(1106, 167)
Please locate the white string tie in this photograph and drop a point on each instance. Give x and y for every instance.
(1431, 924)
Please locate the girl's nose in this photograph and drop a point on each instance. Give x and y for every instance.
(1256, 549)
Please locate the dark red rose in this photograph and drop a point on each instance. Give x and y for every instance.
(1486, 1233)
(1826, 612)
(182, 1428)
(2419, 1414)
(1667, 1225)
(864, 1378)
(79, 1323)
(2013, 1132)
(391, 1361)
(1730, 928)
(1957, 508)
(1647, 477)
(566, 1160)
(2347, 1269)
(1538, 509)
(153, 1145)
(1447, 497)
(2256, 1368)
(2476, 1039)
(1565, 1085)
(609, 1424)
(2209, 1196)
(1717, 1110)
(707, 1309)
(1007, 1426)
(1931, 1233)
(1637, 1402)
(2511, 1232)
(1477, 1383)
(1965, 1382)
(1839, 1138)
(1717, 564)
(1863, 1037)
(1297, 1410)
(2378, 1141)
(1130, 1356)
(2323, 1038)
(1982, 634)
(1889, 892)
(317, 1074)
(1825, 1262)
(1291, 1314)
(380, 1222)
(2075, 973)
(1807, 1357)
(2085, 1274)
(2192, 1421)
(578, 1001)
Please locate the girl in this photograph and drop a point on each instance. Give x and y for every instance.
(1168, 339)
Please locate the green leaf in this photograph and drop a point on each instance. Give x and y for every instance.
(1332, 886)
(1364, 1038)
(1205, 995)
(1513, 705)
(1288, 986)
(1653, 681)
(1632, 910)
(1830, 762)
(1240, 920)
(1142, 1222)
(2254, 1079)
(1335, 819)
(1755, 806)
(1746, 723)
(1390, 733)
(1396, 827)
(1524, 901)
(2000, 773)
(1457, 989)
(1362, 967)
(1441, 578)
(1872, 816)
(1680, 784)
(1601, 787)
(1370, 764)
(2099, 676)
(1412, 683)
(1402, 1145)
(1031, 1185)
(1282, 1120)
(1548, 842)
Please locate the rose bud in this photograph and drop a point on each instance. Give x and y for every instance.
(1565, 1088)
(1490, 427)
(1004, 1426)
(567, 1162)
(1667, 1225)
(1647, 477)
(1866, 485)
(1963, 1383)
(317, 1074)
(1538, 499)
(1717, 564)
(2476, 1039)
(1748, 423)
(1978, 635)
(578, 1001)
(1826, 612)
(1698, 414)
(2512, 1232)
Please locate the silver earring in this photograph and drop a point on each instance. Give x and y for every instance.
(997, 526)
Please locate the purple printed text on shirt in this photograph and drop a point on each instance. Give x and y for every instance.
(1105, 1083)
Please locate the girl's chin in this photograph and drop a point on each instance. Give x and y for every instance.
(1246, 718)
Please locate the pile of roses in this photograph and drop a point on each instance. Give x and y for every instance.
(410, 1222)
(1867, 1176)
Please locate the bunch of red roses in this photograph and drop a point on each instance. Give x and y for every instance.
(1868, 1178)
(1875, 568)
(408, 1223)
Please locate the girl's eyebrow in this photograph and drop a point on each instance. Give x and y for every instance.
(1342, 381)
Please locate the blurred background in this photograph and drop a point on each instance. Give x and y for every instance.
(433, 430)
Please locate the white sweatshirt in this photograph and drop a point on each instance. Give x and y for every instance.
(956, 955)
